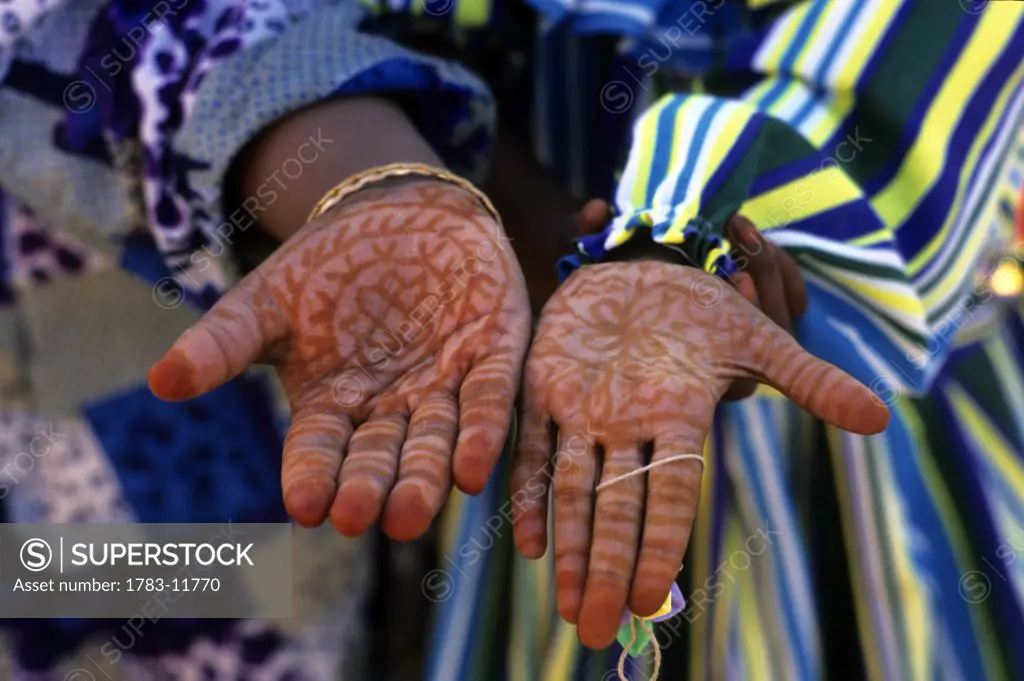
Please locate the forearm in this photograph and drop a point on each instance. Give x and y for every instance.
(357, 134)
(366, 132)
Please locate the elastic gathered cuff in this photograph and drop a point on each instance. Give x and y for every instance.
(698, 242)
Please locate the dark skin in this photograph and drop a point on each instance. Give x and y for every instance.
(397, 322)
(533, 207)
(768, 276)
(342, 458)
(371, 131)
(537, 212)
(532, 203)
(366, 131)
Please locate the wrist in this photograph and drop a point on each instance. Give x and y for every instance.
(377, 190)
(701, 247)
(647, 250)
(352, 134)
(383, 174)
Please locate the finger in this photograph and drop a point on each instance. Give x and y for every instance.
(820, 388)
(313, 450)
(744, 283)
(368, 473)
(792, 282)
(486, 400)
(424, 470)
(618, 518)
(575, 480)
(673, 493)
(531, 479)
(593, 217)
(759, 261)
(222, 344)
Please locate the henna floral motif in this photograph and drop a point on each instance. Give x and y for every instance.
(398, 323)
(645, 350)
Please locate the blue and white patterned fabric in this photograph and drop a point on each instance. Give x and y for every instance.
(118, 123)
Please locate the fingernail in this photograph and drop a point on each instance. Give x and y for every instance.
(749, 235)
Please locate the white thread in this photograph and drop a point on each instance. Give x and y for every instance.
(632, 639)
(632, 619)
(652, 466)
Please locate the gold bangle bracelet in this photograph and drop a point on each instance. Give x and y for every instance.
(355, 183)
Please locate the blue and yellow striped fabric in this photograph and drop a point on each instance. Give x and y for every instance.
(881, 142)
(866, 148)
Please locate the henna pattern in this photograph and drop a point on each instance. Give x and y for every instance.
(398, 323)
(646, 350)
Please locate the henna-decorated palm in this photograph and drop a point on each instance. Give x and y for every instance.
(398, 323)
(629, 362)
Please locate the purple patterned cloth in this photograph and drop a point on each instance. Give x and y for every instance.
(119, 121)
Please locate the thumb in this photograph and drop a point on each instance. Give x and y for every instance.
(823, 390)
(221, 345)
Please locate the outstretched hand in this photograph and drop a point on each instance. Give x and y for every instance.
(767, 275)
(637, 355)
(398, 323)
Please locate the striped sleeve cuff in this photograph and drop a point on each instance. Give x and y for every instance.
(700, 247)
(694, 161)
